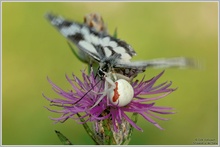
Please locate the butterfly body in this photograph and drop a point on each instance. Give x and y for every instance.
(100, 47)
(113, 55)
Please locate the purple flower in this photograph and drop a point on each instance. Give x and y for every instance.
(142, 103)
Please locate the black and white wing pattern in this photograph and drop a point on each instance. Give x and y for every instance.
(133, 68)
(112, 54)
(97, 45)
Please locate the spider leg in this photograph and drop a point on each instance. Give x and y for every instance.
(121, 76)
(108, 82)
(117, 76)
(113, 86)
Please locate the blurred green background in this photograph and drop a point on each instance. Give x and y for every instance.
(32, 50)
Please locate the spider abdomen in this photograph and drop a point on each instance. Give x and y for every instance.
(122, 94)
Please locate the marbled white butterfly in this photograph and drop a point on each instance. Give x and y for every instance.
(113, 55)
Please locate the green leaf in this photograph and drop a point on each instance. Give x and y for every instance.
(94, 64)
(75, 53)
(88, 130)
(115, 35)
(134, 117)
(62, 138)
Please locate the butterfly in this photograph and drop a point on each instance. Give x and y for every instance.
(112, 54)
(109, 52)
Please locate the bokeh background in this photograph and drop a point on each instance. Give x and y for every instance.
(32, 50)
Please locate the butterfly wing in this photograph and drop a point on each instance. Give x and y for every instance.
(133, 68)
(90, 41)
(105, 49)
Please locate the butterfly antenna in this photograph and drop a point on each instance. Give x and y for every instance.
(87, 92)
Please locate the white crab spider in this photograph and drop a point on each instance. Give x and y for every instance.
(122, 93)
(119, 93)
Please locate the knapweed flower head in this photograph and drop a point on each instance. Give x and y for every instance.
(143, 102)
(108, 100)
